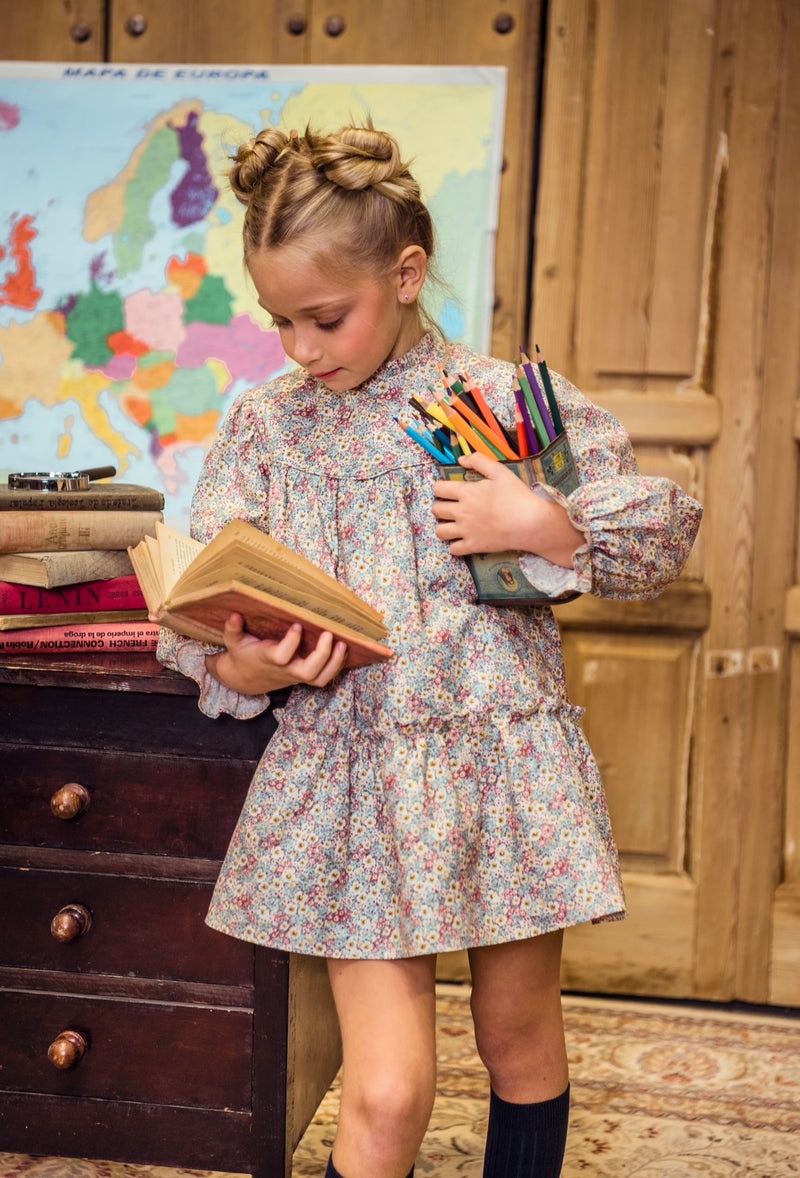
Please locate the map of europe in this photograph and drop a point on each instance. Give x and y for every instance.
(127, 321)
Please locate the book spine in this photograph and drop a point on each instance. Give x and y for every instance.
(135, 499)
(60, 531)
(112, 594)
(88, 636)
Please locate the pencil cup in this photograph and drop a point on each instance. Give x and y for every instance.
(498, 577)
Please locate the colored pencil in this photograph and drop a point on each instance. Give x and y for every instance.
(436, 411)
(421, 408)
(426, 444)
(475, 439)
(496, 437)
(539, 397)
(534, 446)
(483, 407)
(533, 408)
(522, 437)
(548, 388)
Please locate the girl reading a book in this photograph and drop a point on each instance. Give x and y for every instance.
(445, 799)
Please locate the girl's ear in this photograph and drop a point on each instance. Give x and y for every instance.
(412, 267)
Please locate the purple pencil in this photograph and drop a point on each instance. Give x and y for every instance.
(539, 396)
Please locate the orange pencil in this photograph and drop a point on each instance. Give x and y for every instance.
(497, 439)
(463, 428)
(491, 420)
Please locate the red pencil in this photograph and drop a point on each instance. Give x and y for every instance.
(522, 437)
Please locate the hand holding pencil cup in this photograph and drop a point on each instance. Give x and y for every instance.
(458, 421)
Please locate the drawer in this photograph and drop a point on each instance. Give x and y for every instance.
(134, 1051)
(126, 803)
(127, 721)
(137, 928)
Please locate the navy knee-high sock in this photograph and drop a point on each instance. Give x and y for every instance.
(332, 1172)
(526, 1140)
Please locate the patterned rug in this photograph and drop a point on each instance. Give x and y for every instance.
(658, 1091)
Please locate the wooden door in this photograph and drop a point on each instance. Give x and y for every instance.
(50, 30)
(666, 287)
(666, 284)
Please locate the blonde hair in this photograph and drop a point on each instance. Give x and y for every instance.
(350, 191)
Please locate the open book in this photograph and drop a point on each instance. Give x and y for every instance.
(193, 588)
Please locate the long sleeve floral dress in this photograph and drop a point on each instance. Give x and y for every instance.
(446, 798)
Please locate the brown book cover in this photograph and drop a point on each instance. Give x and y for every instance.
(58, 531)
(193, 588)
(38, 621)
(95, 497)
(52, 569)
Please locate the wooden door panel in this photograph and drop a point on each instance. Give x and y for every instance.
(784, 963)
(651, 952)
(638, 692)
(50, 30)
(247, 32)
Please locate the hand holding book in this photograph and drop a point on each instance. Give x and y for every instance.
(194, 589)
(252, 666)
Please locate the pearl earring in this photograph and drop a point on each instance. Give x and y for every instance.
(405, 298)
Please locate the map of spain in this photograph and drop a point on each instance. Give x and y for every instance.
(126, 320)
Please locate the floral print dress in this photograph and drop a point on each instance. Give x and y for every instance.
(446, 798)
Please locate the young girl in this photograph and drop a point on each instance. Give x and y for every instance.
(445, 799)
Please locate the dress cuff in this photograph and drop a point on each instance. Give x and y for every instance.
(552, 579)
(215, 698)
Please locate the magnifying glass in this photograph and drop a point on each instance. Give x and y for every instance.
(59, 480)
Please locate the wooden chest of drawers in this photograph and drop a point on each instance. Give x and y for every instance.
(132, 1031)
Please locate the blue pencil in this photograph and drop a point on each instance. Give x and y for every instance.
(443, 455)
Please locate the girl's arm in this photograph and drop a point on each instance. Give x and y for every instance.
(619, 535)
(237, 678)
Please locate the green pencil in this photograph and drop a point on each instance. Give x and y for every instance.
(548, 391)
(533, 408)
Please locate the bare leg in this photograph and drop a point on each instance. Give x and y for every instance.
(520, 1035)
(516, 1007)
(387, 1016)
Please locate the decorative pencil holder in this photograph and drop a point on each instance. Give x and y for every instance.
(498, 577)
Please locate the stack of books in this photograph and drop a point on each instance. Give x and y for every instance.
(66, 580)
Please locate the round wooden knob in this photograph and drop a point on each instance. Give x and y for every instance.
(136, 24)
(71, 922)
(67, 1049)
(503, 23)
(334, 26)
(80, 31)
(69, 801)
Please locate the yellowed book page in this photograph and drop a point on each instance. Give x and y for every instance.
(140, 556)
(176, 552)
(242, 552)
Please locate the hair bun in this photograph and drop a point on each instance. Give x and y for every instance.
(253, 160)
(359, 158)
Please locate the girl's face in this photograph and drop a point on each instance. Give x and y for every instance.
(339, 331)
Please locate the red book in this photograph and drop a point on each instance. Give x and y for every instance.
(87, 636)
(111, 594)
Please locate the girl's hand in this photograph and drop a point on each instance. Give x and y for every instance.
(499, 512)
(255, 666)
